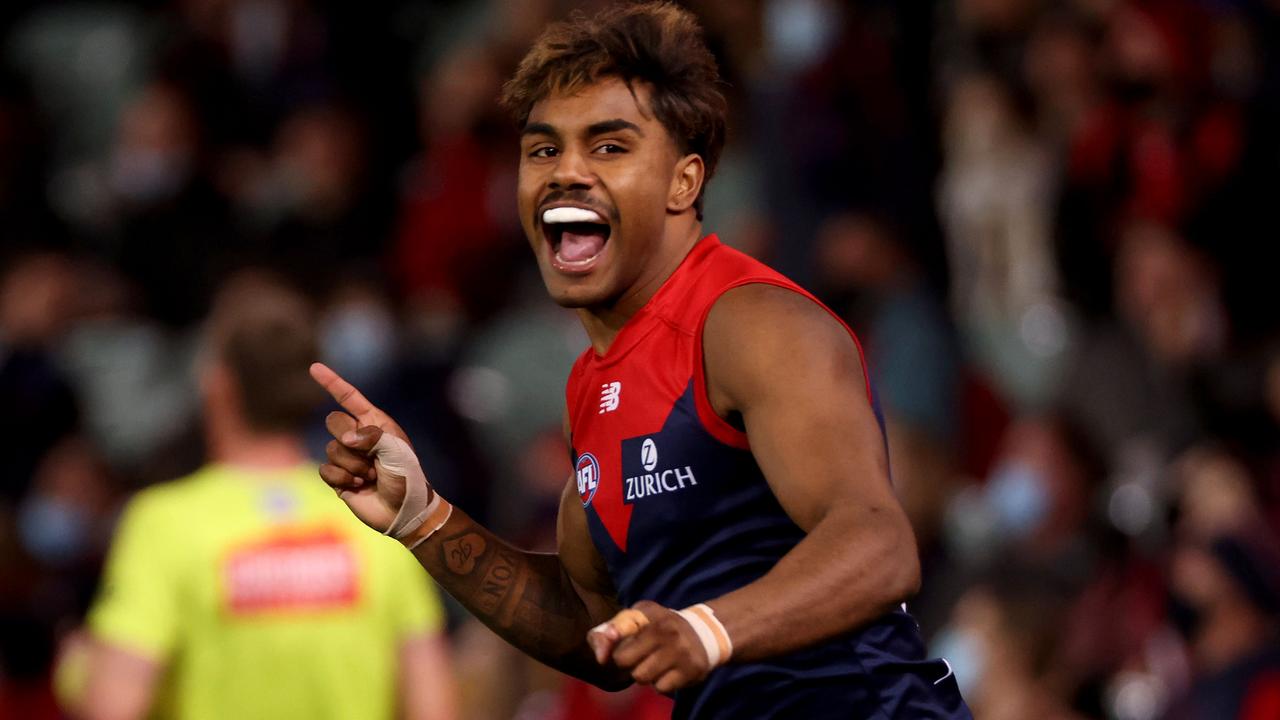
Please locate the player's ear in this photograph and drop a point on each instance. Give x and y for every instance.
(212, 376)
(218, 388)
(687, 183)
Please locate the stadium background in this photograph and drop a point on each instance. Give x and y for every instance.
(1048, 222)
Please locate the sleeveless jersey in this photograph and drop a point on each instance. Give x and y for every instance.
(681, 512)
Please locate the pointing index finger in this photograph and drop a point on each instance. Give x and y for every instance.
(342, 391)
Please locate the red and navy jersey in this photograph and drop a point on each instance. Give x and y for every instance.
(680, 511)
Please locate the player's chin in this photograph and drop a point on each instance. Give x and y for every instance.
(575, 294)
(576, 289)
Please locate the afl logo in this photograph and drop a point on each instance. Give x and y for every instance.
(588, 473)
(649, 454)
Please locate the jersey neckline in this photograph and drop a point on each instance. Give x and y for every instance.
(635, 329)
(251, 474)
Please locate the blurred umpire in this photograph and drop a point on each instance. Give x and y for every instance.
(247, 590)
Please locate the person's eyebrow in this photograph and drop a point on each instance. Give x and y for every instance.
(539, 128)
(612, 126)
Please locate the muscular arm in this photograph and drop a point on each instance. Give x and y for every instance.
(542, 603)
(802, 397)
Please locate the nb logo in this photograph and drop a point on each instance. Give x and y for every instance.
(649, 454)
(609, 396)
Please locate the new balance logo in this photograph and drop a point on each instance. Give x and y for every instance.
(609, 396)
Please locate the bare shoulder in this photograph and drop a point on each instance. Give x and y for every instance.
(763, 335)
(769, 313)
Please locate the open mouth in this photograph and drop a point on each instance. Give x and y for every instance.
(577, 236)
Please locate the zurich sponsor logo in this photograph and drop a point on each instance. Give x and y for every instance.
(649, 454)
(654, 480)
(588, 474)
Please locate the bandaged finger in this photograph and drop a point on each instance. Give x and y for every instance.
(626, 623)
(423, 511)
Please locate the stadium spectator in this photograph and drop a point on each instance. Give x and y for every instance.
(1225, 599)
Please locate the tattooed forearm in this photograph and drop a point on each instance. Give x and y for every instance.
(526, 598)
(460, 552)
(500, 582)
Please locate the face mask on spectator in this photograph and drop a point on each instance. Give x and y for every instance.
(1018, 495)
(54, 531)
(146, 175)
(359, 341)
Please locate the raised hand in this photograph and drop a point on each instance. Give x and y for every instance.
(354, 469)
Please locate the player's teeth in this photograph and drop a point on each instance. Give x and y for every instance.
(571, 215)
(576, 263)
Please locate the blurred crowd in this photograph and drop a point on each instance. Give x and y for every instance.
(1046, 219)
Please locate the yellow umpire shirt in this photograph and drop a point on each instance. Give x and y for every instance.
(263, 597)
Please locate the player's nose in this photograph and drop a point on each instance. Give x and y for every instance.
(571, 171)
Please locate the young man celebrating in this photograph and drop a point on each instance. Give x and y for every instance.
(730, 534)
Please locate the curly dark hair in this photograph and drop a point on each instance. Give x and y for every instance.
(655, 43)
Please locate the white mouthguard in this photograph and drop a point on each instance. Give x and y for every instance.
(570, 215)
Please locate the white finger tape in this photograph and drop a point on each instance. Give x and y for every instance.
(421, 503)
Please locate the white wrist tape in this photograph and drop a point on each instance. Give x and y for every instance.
(712, 634)
(422, 505)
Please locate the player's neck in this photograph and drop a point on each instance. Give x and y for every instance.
(234, 445)
(603, 323)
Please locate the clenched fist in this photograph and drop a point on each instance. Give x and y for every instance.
(661, 647)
